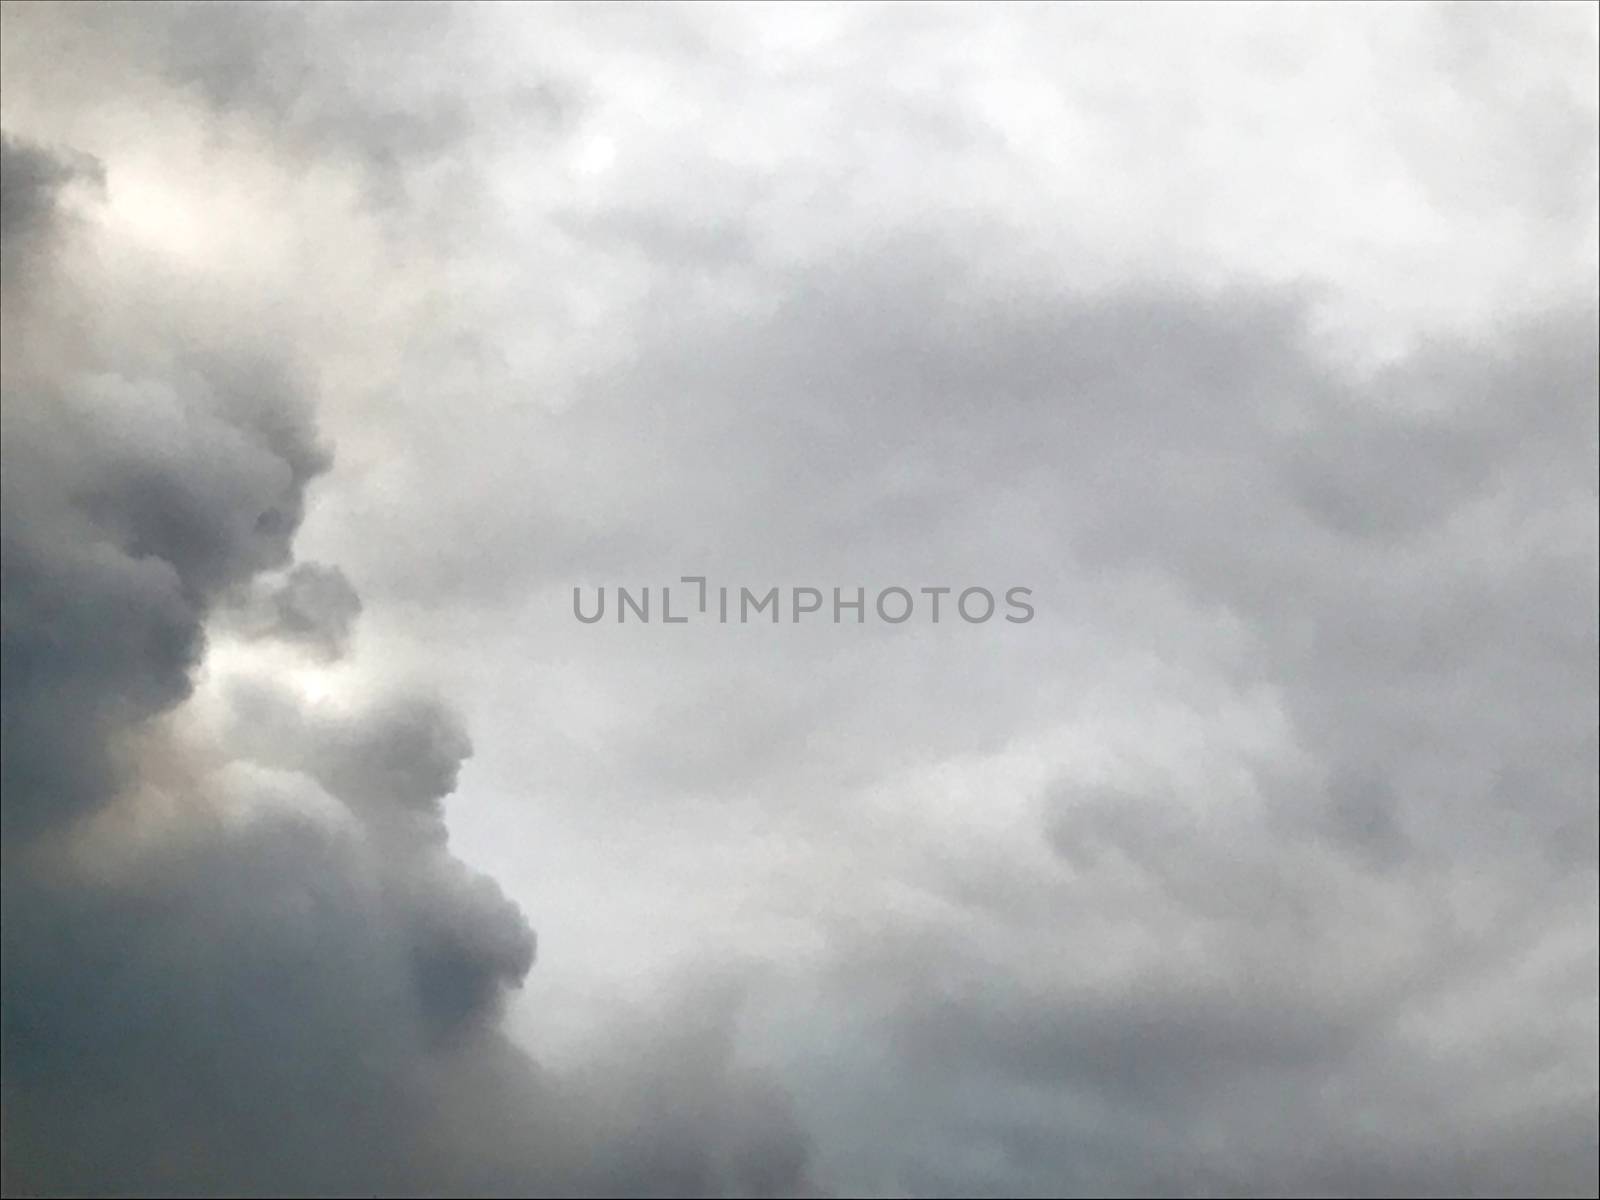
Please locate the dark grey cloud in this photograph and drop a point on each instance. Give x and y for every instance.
(37, 176)
(312, 604)
(130, 506)
(291, 986)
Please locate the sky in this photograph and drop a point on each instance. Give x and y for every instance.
(343, 344)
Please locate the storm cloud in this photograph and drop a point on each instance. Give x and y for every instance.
(248, 962)
(342, 342)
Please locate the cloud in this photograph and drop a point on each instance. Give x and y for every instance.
(312, 604)
(1263, 349)
(38, 176)
(250, 965)
(131, 504)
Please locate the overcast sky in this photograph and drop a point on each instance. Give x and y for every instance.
(341, 344)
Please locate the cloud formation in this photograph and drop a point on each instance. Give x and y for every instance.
(251, 964)
(1261, 346)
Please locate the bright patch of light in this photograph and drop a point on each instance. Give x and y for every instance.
(596, 156)
(230, 661)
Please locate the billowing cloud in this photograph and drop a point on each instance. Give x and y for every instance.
(311, 604)
(1261, 346)
(249, 963)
